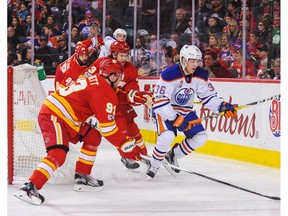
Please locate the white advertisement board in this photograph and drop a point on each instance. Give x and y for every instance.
(256, 126)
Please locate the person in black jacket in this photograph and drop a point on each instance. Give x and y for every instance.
(110, 22)
(47, 55)
(182, 23)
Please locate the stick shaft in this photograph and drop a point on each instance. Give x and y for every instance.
(242, 107)
(214, 179)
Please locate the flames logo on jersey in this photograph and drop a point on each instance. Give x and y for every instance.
(274, 117)
(183, 96)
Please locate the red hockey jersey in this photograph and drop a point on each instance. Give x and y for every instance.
(86, 97)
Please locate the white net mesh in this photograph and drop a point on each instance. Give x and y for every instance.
(28, 145)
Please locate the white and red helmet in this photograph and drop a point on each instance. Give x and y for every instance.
(81, 49)
(119, 31)
(110, 66)
(120, 46)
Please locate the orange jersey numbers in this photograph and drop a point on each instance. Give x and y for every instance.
(79, 85)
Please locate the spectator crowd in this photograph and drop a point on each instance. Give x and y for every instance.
(218, 32)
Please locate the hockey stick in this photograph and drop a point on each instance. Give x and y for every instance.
(237, 108)
(213, 179)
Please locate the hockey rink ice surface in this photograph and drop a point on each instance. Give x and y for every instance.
(130, 194)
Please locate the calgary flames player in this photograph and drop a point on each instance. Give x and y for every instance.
(68, 71)
(60, 119)
(129, 95)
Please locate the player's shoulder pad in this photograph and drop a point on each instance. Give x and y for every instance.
(201, 73)
(172, 73)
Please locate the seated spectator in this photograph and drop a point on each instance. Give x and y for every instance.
(28, 40)
(182, 23)
(23, 12)
(225, 52)
(231, 11)
(38, 6)
(138, 52)
(144, 37)
(249, 16)
(145, 67)
(50, 21)
(45, 12)
(75, 36)
(213, 43)
(23, 56)
(263, 31)
(28, 25)
(110, 22)
(19, 29)
(84, 25)
(250, 69)
(214, 25)
(240, 35)
(47, 55)
(214, 68)
(218, 7)
(228, 18)
(233, 31)
(253, 44)
(52, 37)
(263, 72)
(12, 40)
(262, 53)
(189, 29)
(203, 10)
(276, 67)
(62, 51)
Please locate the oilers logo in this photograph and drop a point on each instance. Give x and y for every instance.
(183, 96)
(274, 117)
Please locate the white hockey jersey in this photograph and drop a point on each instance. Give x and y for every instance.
(175, 92)
(105, 49)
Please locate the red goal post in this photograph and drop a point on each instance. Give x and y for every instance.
(25, 142)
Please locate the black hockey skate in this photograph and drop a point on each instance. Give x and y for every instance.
(87, 183)
(130, 164)
(29, 193)
(170, 158)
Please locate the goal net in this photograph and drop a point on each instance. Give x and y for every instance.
(25, 143)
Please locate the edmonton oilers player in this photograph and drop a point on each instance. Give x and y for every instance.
(173, 107)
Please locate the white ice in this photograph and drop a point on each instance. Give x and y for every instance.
(130, 194)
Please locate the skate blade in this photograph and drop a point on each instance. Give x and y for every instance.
(134, 170)
(149, 178)
(87, 188)
(22, 195)
(168, 168)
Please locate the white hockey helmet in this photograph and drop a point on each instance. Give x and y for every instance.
(190, 52)
(119, 31)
